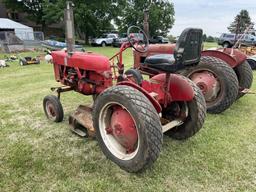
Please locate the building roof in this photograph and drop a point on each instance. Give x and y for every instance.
(10, 24)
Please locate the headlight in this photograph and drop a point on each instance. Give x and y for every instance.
(48, 58)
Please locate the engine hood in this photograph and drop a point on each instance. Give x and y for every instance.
(83, 60)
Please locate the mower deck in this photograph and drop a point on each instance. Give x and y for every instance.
(81, 121)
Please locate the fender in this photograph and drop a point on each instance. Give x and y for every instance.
(221, 55)
(239, 56)
(144, 92)
(233, 57)
(179, 86)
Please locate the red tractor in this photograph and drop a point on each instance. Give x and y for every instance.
(223, 75)
(129, 117)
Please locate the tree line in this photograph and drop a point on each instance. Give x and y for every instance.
(92, 17)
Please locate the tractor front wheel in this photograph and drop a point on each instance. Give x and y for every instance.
(245, 77)
(128, 128)
(252, 63)
(192, 113)
(53, 108)
(134, 75)
(217, 80)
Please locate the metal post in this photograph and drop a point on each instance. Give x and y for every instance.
(70, 32)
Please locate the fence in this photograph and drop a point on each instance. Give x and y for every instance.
(20, 40)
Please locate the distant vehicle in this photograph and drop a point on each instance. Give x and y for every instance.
(104, 40)
(158, 39)
(229, 39)
(123, 38)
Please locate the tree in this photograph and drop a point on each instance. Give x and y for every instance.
(171, 38)
(92, 18)
(34, 9)
(210, 39)
(204, 37)
(241, 22)
(161, 15)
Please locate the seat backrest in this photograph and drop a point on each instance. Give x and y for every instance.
(188, 47)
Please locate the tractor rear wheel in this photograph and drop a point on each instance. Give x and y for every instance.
(193, 113)
(217, 80)
(245, 77)
(128, 128)
(53, 108)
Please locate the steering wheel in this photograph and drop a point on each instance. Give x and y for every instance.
(139, 43)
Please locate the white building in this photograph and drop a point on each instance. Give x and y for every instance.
(22, 31)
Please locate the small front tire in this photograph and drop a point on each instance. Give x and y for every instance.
(134, 75)
(53, 108)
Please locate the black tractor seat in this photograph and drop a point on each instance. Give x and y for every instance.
(162, 62)
(187, 52)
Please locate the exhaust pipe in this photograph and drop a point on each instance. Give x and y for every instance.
(70, 31)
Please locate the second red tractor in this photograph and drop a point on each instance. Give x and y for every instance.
(223, 75)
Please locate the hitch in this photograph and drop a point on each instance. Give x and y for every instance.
(61, 89)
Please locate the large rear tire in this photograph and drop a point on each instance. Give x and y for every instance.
(119, 100)
(225, 88)
(196, 113)
(245, 77)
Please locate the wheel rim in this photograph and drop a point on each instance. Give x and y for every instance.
(21, 63)
(51, 113)
(209, 83)
(122, 145)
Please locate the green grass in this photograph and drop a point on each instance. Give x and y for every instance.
(38, 155)
(208, 45)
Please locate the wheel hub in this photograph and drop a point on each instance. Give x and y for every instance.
(50, 110)
(208, 84)
(123, 128)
